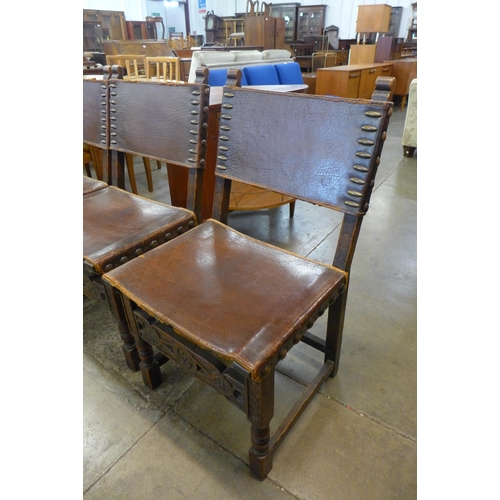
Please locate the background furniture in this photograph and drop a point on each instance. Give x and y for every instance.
(137, 30)
(289, 12)
(352, 80)
(405, 70)
(101, 25)
(235, 58)
(269, 32)
(310, 20)
(409, 140)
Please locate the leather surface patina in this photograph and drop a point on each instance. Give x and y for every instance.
(234, 315)
(90, 185)
(107, 239)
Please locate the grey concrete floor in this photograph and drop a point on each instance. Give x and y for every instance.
(356, 440)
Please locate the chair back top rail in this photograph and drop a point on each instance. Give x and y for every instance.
(319, 149)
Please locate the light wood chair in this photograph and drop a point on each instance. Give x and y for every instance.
(163, 68)
(134, 64)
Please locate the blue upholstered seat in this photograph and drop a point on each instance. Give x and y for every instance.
(218, 77)
(264, 74)
(289, 73)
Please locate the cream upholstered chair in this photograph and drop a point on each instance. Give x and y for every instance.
(409, 140)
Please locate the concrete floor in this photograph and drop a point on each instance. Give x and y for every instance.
(356, 440)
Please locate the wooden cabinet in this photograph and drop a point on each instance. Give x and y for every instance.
(288, 11)
(404, 70)
(267, 32)
(136, 30)
(373, 18)
(311, 20)
(100, 25)
(353, 80)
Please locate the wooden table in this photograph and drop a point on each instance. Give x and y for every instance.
(178, 177)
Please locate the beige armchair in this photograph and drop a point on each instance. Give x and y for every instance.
(409, 140)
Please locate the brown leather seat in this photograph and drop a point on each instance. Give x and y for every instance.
(227, 307)
(90, 185)
(119, 226)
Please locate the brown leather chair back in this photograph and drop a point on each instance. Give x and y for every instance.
(95, 106)
(322, 150)
(154, 119)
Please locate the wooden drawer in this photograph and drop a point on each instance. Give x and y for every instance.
(339, 83)
(368, 78)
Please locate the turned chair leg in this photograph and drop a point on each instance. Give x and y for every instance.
(260, 413)
(129, 347)
(408, 151)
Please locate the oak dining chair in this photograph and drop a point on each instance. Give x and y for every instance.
(226, 307)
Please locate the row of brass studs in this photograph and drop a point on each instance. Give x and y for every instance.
(194, 122)
(103, 111)
(149, 246)
(365, 155)
(225, 128)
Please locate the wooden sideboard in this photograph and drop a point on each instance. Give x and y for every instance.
(404, 70)
(353, 80)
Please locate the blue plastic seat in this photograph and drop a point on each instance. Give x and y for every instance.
(218, 77)
(264, 74)
(289, 73)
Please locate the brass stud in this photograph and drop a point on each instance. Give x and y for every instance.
(297, 338)
(357, 180)
(225, 127)
(221, 167)
(357, 194)
(180, 230)
(154, 244)
(225, 117)
(223, 148)
(352, 203)
(373, 114)
(193, 132)
(168, 236)
(108, 268)
(366, 142)
(266, 371)
(369, 128)
(310, 323)
(363, 154)
(191, 224)
(282, 354)
(124, 260)
(138, 252)
(222, 158)
(360, 168)
(223, 138)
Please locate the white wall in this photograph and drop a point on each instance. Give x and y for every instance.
(340, 13)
